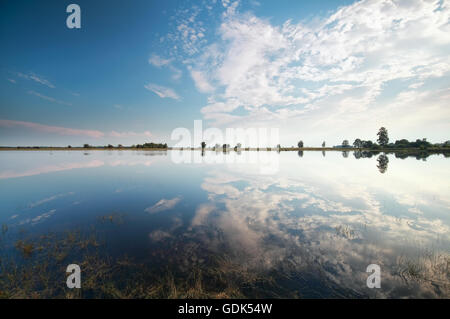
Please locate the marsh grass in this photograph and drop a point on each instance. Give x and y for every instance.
(178, 268)
(38, 270)
(429, 267)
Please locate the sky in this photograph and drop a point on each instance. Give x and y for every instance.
(135, 71)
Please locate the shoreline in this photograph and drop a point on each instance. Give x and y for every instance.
(251, 149)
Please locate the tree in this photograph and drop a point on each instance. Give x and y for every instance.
(323, 144)
(300, 144)
(383, 138)
(86, 146)
(358, 143)
(345, 143)
(203, 145)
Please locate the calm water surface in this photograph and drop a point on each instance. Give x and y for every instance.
(144, 226)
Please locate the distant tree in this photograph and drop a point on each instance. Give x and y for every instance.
(110, 146)
(323, 144)
(300, 144)
(86, 146)
(69, 146)
(120, 146)
(383, 138)
(345, 143)
(203, 145)
(238, 145)
(358, 143)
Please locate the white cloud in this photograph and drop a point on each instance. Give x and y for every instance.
(200, 81)
(48, 98)
(162, 92)
(331, 70)
(70, 131)
(36, 78)
(158, 61)
(129, 134)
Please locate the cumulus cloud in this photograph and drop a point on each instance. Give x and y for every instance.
(332, 70)
(162, 92)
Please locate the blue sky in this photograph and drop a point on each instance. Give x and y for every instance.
(135, 71)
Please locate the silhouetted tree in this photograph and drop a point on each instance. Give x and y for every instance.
(383, 138)
(323, 144)
(358, 143)
(300, 153)
(86, 146)
(300, 144)
(203, 145)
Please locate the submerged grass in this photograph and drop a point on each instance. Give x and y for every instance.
(38, 270)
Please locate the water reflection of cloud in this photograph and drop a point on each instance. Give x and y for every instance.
(39, 218)
(335, 225)
(49, 169)
(62, 165)
(49, 199)
(163, 204)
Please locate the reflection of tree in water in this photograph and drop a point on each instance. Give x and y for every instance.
(345, 154)
(383, 161)
(323, 153)
(364, 154)
(300, 153)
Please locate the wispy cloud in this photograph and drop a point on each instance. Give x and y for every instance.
(162, 92)
(158, 61)
(130, 134)
(51, 129)
(12, 81)
(332, 69)
(70, 131)
(48, 98)
(36, 78)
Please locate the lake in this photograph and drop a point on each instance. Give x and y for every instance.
(278, 225)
